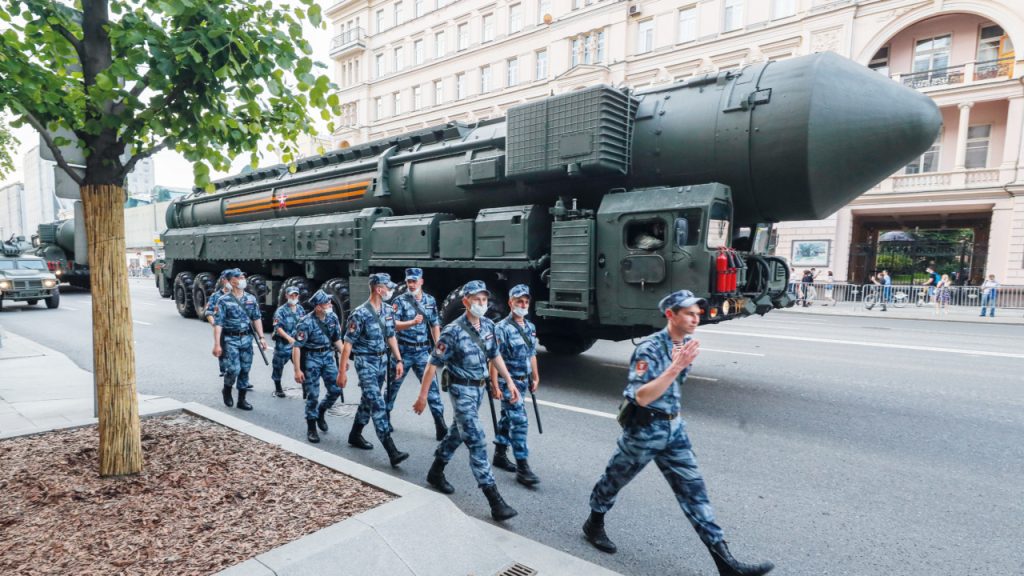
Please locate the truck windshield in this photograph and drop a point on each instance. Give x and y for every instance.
(718, 225)
(31, 264)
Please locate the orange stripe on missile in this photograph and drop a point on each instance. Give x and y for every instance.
(309, 200)
(272, 200)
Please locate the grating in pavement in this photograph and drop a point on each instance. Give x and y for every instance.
(517, 569)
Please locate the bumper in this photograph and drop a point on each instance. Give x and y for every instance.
(32, 294)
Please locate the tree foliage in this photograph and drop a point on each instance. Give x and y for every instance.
(7, 143)
(210, 80)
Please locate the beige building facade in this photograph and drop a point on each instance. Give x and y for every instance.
(406, 64)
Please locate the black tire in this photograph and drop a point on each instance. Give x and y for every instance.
(870, 300)
(337, 289)
(451, 307)
(566, 344)
(183, 294)
(202, 288)
(53, 301)
(257, 286)
(32, 302)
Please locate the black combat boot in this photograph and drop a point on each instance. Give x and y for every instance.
(228, 400)
(499, 509)
(524, 475)
(311, 434)
(729, 566)
(278, 391)
(242, 404)
(440, 429)
(321, 417)
(501, 460)
(394, 454)
(593, 529)
(435, 477)
(355, 438)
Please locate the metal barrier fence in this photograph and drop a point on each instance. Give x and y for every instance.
(900, 295)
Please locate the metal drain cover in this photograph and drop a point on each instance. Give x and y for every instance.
(517, 569)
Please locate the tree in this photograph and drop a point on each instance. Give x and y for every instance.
(130, 78)
(7, 143)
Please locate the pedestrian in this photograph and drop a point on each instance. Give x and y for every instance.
(316, 337)
(418, 325)
(465, 347)
(810, 293)
(654, 430)
(932, 282)
(830, 284)
(370, 333)
(222, 288)
(517, 344)
(237, 319)
(886, 287)
(877, 280)
(943, 294)
(989, 291)
(286, 319)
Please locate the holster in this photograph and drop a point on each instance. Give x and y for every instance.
(302, 360)
(631, 414)
(445, 380)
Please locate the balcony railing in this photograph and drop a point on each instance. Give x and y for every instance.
(347, 41)
(928, 181)
(959, 74)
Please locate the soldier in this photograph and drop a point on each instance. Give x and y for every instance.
(418, 325)
(653, 430)
(517, 344)
(317, 335)
(234, 310)
(370, 332)
(223, 287)
(465, 347)
(286, 318)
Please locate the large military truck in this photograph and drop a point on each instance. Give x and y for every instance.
(602, 200)
(64, 252)
(25, 278)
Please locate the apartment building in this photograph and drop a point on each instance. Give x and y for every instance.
(405, 64)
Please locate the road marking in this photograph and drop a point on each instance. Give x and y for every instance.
(705, 349)
(69, 308)
(141, 322)
(625, 367)
(874, 344)
(573, 408)
(146, 303)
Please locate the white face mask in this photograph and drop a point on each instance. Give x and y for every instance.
(242, 284)
(387, 295)
(293, 301)
(520, 311)
(478, 310)
(417, 291)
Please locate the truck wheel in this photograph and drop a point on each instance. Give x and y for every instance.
(202, 288)
(53, 300)
(32, 302)
(183, 294)
(452, 306)
(257, 286)
(566, 344)
(337, 289)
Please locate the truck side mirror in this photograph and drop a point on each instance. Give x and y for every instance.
(682, 232)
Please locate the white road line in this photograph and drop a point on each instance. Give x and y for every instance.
(573, 408)
(141, 322)
(144, 303)
(69, 308)
(625, 367)
(874, 344)
(706, 349)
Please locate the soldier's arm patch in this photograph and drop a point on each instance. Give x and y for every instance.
(440, 347)
(352, 326)
(640, 367)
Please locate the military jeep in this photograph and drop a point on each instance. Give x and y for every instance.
(26, 279)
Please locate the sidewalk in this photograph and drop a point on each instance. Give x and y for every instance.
(910, 312)
(420, 533)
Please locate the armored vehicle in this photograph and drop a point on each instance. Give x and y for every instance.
(55, 243)
(25, 278)
(603, 200)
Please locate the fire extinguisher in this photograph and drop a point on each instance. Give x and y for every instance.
(734, 269)
(722, 271)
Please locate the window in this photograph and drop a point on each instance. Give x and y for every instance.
(995, 54)
(460, 86)
(462, 36)
(599, 49)
(417, 97)
(417, 52)
(645, 234)
(645, 36)
(687, 25)
(541, 72)
(512, 71)
(488, 28)
(439, 46)
(485, 79)
(399, 13)
(380, 20)
(378, 107)
(988, 43)
(515, 18)
(880, 61)
(577, 4)
(419, 8)
(927, 162)
(783, 8)
(543, 9)
(733, 16)
(977, 146)
(688, 228)
(438, 92)
(932, 53)
(379, 67)
(718, 225)
(396, 98)
(588, 49)
(574, 59)
(399, 58)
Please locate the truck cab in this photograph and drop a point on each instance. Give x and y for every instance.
(27, 279)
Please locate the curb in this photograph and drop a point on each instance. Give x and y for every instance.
(901, 316)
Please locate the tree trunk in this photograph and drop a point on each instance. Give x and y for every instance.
(113, 344)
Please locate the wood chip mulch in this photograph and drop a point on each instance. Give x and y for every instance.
(209, 498)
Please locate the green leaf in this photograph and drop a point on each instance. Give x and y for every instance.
(314, 15)
(103, 82)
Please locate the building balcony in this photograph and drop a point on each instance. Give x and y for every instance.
(348, 42)
(967, 73)
(943, 181)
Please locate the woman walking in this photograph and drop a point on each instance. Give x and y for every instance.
(942, 295)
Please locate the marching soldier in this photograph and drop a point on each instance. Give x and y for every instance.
(417, 323)
(286, 318)
(235, 311)
(223, 287)
(653, 430)
(517, 344)
(465, 347)
(317, 335)
(370, 333)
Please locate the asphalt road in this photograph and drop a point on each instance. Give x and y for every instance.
(830, 445)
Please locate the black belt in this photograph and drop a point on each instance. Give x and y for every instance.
(464, 382)
(377, 354)
(230, 333)
(422, 345)
(523, 377)
(324, 349)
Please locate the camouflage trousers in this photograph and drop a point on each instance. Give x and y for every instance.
(668, 445)
(467, 429)
(237, 356)
(514, 422)
(223, 356)
(373, 373)
(319, 365)
(414, 360)
(282, 355)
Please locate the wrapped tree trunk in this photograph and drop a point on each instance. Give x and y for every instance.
(113, 343)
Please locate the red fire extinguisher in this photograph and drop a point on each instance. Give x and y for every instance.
(722, 271)
(734, 268)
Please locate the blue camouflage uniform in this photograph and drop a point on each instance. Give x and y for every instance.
(234, 316)
(286, 319)
(516, 352)
(663, 440)
(319, 361)
(211, 312)
(467, 367)
(414, 344)
(369, 347)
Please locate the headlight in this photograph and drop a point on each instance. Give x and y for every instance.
(49, 283)
(5, 284)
